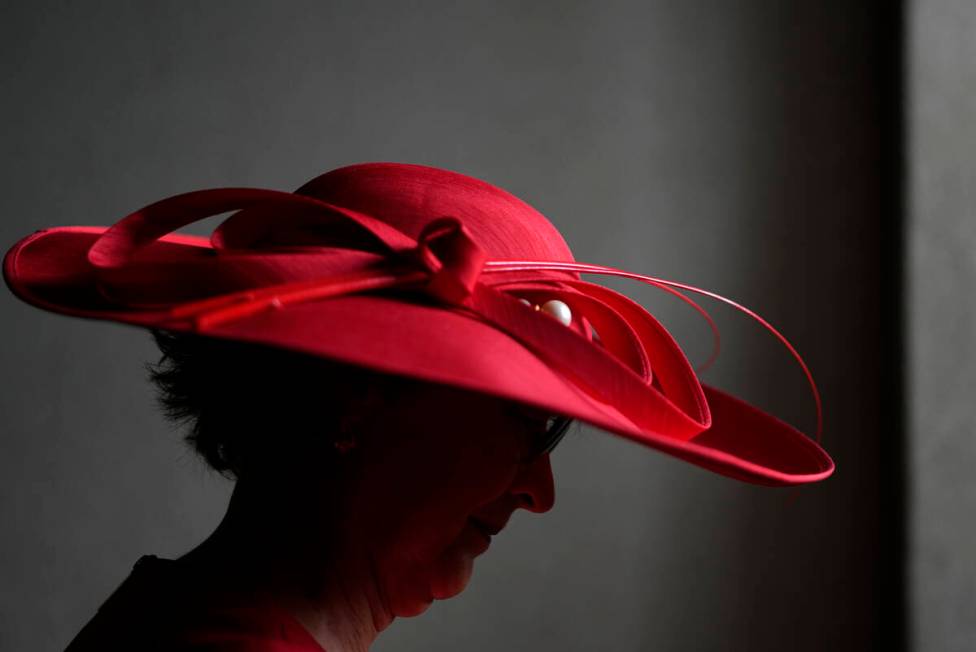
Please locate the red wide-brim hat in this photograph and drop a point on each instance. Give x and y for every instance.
(421, 272)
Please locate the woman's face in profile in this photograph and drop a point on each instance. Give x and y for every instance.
(440, 470)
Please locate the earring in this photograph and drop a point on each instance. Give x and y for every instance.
(344, 445)
(347, 441)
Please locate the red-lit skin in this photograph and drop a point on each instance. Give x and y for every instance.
(392, 532)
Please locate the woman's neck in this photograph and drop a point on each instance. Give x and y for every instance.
(291, 554)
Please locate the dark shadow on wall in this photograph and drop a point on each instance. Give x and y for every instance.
(822, 567)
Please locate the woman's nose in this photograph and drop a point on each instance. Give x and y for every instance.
(534, 486)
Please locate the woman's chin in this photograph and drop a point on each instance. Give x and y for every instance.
(414, 608)
(445, 580)
(454, 577)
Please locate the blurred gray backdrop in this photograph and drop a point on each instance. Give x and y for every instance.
(736, 146)
(941, 310)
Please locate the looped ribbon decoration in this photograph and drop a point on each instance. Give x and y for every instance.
(246, 271)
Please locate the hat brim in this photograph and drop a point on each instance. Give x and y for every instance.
(49, 269)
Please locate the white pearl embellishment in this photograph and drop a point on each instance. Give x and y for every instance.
(554, 308)
(559, 310)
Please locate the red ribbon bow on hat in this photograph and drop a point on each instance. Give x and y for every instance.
(247, 271)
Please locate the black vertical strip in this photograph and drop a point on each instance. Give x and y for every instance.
(893, 617)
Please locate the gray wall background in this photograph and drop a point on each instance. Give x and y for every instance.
(942, 321)
(730, 145)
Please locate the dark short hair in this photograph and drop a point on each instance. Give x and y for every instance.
(245, 403)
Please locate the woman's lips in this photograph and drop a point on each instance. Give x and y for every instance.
(483, 531)
(484, 528)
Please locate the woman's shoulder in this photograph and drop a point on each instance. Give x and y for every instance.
(159, 607)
